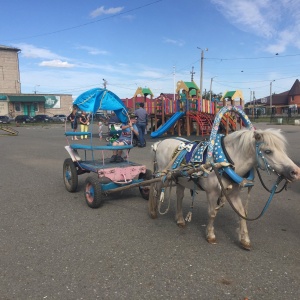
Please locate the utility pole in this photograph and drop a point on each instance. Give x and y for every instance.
(174, 83)
(254, 103)
(192, 74)
(271, 109)
(201, 70)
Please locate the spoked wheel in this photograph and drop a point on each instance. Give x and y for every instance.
(70, 175)
(145, 190)
(92, 192)
(135, 141)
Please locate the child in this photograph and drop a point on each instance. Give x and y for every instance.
(125, 139)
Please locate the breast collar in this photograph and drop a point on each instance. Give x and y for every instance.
(220, 155)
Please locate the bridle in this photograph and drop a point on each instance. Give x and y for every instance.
(265, 166)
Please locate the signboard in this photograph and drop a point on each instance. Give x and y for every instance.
(52, 101)
(3, 108)
(263, 100)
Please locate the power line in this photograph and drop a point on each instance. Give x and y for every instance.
(251, 58)
(88, 23)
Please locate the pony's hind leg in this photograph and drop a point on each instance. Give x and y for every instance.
(179, 214)
(155, 191)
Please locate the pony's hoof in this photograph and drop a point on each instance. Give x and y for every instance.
(153, 215)
(212, 241)
(181, 224)
(245, 245)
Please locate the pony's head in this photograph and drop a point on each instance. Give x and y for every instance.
(268, 149)
(271, 154)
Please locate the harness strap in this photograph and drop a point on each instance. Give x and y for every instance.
(224, 191)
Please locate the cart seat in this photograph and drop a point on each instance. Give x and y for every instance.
(90, 147)
(77, 133)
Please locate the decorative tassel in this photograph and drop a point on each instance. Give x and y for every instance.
(188, 217)
(162, 195)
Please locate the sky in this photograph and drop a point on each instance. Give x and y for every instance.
(68, 47)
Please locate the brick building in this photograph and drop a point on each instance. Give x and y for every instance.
(284, 103)
(13, 102)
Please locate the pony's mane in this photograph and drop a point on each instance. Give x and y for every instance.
(244, 139)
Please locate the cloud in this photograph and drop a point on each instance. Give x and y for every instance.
(277, 22)
(93, 51)
(102, 11)
(149, 74)
(56, 64)
(30, 51)
(174, 42)
(255, 16)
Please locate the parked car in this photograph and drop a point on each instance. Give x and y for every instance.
(4, 120)
(59, 118)
(23, 119)
(42, 118)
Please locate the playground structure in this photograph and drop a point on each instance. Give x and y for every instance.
(185, 112)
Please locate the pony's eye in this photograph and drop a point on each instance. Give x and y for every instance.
(268, 151)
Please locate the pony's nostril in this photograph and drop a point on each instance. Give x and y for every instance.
(295, 174)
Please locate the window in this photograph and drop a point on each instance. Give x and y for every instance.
(36, 106)
(17, 106)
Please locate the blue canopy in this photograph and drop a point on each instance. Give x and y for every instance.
(95, 99)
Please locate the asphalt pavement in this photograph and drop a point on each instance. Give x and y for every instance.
(53, 246)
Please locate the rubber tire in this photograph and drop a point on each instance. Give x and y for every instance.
(92, 192)
(145, 190)
(70, 170)
(135, 141)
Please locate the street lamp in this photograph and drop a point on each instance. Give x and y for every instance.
(35, 88)
(201, 69)
(210, 91)
(251, 103)
(271, 110)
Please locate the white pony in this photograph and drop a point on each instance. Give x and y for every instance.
(242, 147)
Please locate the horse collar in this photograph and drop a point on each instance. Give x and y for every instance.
(220, 155)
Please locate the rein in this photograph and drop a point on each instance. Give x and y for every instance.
(224, 191)
(266, 166)
(265, 187)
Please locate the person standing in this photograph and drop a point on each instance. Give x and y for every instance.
(73, 119)
(142, 122)
(84, 122)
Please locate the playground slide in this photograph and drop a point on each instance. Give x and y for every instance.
(161, 130)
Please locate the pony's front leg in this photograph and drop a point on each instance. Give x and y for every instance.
(179, 215)
(155, 191)
(212, 197)
(243, 230)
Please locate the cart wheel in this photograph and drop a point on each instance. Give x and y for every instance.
(70, 175)
(92, 192)
(145, 190)
(135, 141)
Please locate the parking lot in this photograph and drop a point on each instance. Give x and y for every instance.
(53, 246)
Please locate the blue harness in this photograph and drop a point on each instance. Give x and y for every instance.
(196, 153)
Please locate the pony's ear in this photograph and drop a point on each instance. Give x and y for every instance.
(258, 136)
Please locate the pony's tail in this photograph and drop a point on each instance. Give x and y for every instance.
(153, 152)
